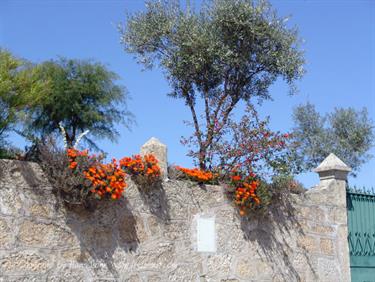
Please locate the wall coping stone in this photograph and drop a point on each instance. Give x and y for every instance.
(332, 168)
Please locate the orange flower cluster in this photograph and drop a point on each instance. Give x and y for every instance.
(145, 167)
(197, 174)
(106, 180)
(236, 178)
(73, 154)
(245, 196)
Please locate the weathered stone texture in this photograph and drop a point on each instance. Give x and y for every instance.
(5, 235)
(24, 263)
(43, 235)
(153, 237)
(159, 150)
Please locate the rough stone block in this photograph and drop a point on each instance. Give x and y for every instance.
(97, 238)
(21, 263)
(323, 229)
(5, 235)
(133, 278)
(312, 213)
(162, 256)
(75, 255)
(67, 272)
(24, 278)
(337, 215)
(308, 243)
(249, 268)
(159, 150)
(176, 230)
(154, 278)
(44, 235)
(132, 229)
(327, 270)
(10, 201)
(183, 273)
(326, 246)
(300, 260)
(41, 211)
(219, 264)
(153, 226)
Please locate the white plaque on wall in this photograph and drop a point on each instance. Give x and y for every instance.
(206, 237)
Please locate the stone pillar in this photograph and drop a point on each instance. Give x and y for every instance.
(331, 190)
(159, 150)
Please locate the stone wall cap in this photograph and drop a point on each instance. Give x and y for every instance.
(153, 141)
(332, 162)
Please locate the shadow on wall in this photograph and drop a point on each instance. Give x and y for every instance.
(99, 232)
(27, 171)
(155, 199)
(278, 224)
(115, 224)
(110, 226)
(98, 235)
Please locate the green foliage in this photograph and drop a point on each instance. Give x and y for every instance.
(9, 152)
(265, 195)
(286, 184)
(228, 52)
(248, 145)
(8, 91)
(71, 187)
(17, 89)
(82, 95)
(347, 133)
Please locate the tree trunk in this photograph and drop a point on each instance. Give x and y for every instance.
(202, 158)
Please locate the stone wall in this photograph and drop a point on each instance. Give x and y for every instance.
(152, 236)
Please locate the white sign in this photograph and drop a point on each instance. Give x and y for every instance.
(206, 236)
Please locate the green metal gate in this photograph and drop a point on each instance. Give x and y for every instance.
(361, 227)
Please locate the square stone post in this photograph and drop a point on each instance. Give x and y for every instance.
(159, 150)
(331, 192)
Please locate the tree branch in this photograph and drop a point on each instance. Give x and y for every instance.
(190, 103)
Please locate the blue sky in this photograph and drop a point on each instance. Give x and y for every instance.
(339, 44)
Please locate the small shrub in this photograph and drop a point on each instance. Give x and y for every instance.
(69, 185)
(174, 173)
(285, 184)
(8, 152)
(77, 177)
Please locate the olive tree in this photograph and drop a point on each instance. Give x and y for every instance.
(348, 133)
(227, 53)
